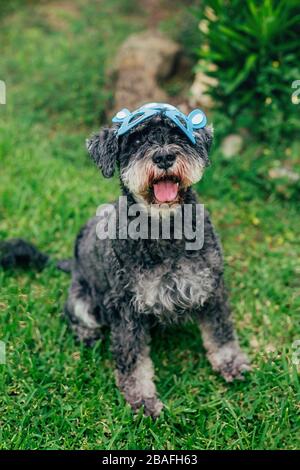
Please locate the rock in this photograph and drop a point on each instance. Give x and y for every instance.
(232, 145)
(199, 89)
(282, 172)
(143, 60)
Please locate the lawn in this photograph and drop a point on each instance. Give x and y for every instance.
(58, 395)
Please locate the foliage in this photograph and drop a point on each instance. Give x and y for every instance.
(252, 49)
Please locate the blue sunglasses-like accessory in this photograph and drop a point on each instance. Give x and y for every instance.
(195, 120)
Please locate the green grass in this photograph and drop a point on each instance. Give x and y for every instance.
(58, 395)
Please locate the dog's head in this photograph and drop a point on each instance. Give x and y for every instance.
(158, 162)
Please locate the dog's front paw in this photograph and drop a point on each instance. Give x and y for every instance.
(230, 361)
(152, 406)
(140, 393)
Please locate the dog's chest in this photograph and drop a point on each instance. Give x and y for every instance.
(166, 290)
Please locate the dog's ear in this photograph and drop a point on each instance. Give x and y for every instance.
(206, 135)
(104, 150)
(204, 139)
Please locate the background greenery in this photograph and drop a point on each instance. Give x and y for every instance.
(254, 47)
(251, 49)
(56, 394)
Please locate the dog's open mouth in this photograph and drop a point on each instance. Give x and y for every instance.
(165, 190)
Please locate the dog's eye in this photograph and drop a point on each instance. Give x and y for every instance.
(137, 142)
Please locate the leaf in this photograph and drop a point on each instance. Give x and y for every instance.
(249, 64)
(241, 41)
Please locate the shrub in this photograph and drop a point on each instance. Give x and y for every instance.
(251, 48)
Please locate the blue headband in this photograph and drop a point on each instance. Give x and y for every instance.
(195, 120)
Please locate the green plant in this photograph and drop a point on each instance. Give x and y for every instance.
(251, 48)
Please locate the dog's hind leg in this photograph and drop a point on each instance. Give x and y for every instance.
(81, 312)
(135, 371)
(219, 338)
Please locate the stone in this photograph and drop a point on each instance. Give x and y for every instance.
(232, 145)
(282, 172)
(143, 60)
(199, 90)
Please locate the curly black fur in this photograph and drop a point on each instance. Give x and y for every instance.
(20, 253)
(130, 284)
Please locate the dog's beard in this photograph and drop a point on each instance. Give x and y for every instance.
(152, 185)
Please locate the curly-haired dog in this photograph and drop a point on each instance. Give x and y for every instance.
(130, 284)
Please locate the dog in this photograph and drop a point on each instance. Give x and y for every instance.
(132, 284)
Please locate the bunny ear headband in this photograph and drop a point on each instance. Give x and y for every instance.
(195, 120)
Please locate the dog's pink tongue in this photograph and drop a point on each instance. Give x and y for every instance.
(165, 191)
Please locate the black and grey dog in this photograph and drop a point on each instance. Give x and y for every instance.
(132, 284)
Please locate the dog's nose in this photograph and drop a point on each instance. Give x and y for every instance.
(164, 160)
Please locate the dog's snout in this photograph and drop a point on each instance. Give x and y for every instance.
(164, 160)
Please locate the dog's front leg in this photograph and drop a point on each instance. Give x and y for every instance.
(134, 366)
(219, 338)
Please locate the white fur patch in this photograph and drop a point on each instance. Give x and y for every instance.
(228, 359)
(224, 353)
(143, 375)
(136, 176)
(165, 289)
(81, 311)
